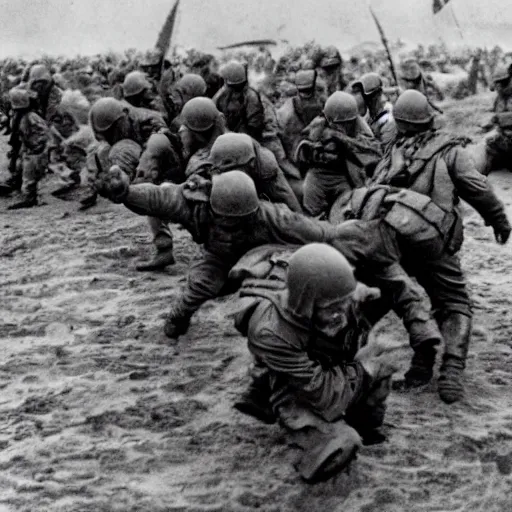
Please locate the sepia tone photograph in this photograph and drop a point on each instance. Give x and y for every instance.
(255, 256)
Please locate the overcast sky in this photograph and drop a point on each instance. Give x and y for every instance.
(31, 27)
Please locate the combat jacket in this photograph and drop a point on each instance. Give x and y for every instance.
(322, 373)
(244, 113)
(33, 134)
(293, 119)
(435, 164)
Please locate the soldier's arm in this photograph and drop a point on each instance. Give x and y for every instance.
(255, 115)
(328, 392)
(474, 188)
(278, 190)
(164, 202)
(286, 227)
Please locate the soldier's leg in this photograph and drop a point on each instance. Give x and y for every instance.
(205, 281)
(497, 154)
(316, 193)
(34, 167)
(163, 241)
(372, 247)
(445, 284)
(255, 401)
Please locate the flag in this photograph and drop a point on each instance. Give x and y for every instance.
(438, 5)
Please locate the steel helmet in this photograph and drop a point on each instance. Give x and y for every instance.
(192, 85)
(105, 112)
(331, 57)
(234, 73)
(369, 83)
(412, 107)
(232, 150)
(305, 79)
(20, 98)
(134, 83)
(410, 69)
(39, 73)
(158, 143)
(317, 273)
(340, 107)
(233, 195)
(199, 114)
(501, 73)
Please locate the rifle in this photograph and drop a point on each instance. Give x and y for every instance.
(385, 44)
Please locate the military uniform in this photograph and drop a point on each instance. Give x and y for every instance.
(317, 383)
(34, 137)
(244, 111)
(336, 164)
(434, 164)
(499, 145)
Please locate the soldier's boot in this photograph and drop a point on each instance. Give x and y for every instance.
(71, 183)
(11, 184)
(88, 200)
(331, 452)
(162, 239)
(176, 326)
(256, 400)
(421, 370)
(327, 447)
(161, 260)
(367, 416)
(456, 329)
(27, 201)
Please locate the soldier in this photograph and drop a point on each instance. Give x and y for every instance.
(240, 104)
(370, 86)
(321, 382)
(34, 138)
(433, 163)
(113, 121)
(202, 124)
(226, 216)
(337, 154)
(239, 151)
(207, 67)
(414, 78)
(189, 86)
(298, 112)
(498, 147)
(330, 67)
(137, 90)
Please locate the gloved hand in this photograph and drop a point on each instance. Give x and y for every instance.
(502, 233)
(378, 360)
(114, 184)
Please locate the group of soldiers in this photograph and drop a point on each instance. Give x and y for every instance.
(324, 213)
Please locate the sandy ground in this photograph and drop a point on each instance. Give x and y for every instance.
(100, 413)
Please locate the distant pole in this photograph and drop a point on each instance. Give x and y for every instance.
(452, 10)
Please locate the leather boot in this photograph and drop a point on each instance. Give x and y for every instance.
(456, 329)
(27, 201)
(421, 370)
(161, 260)
(10, 185)
(88, 201)
(175, 326)
(256, 400)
